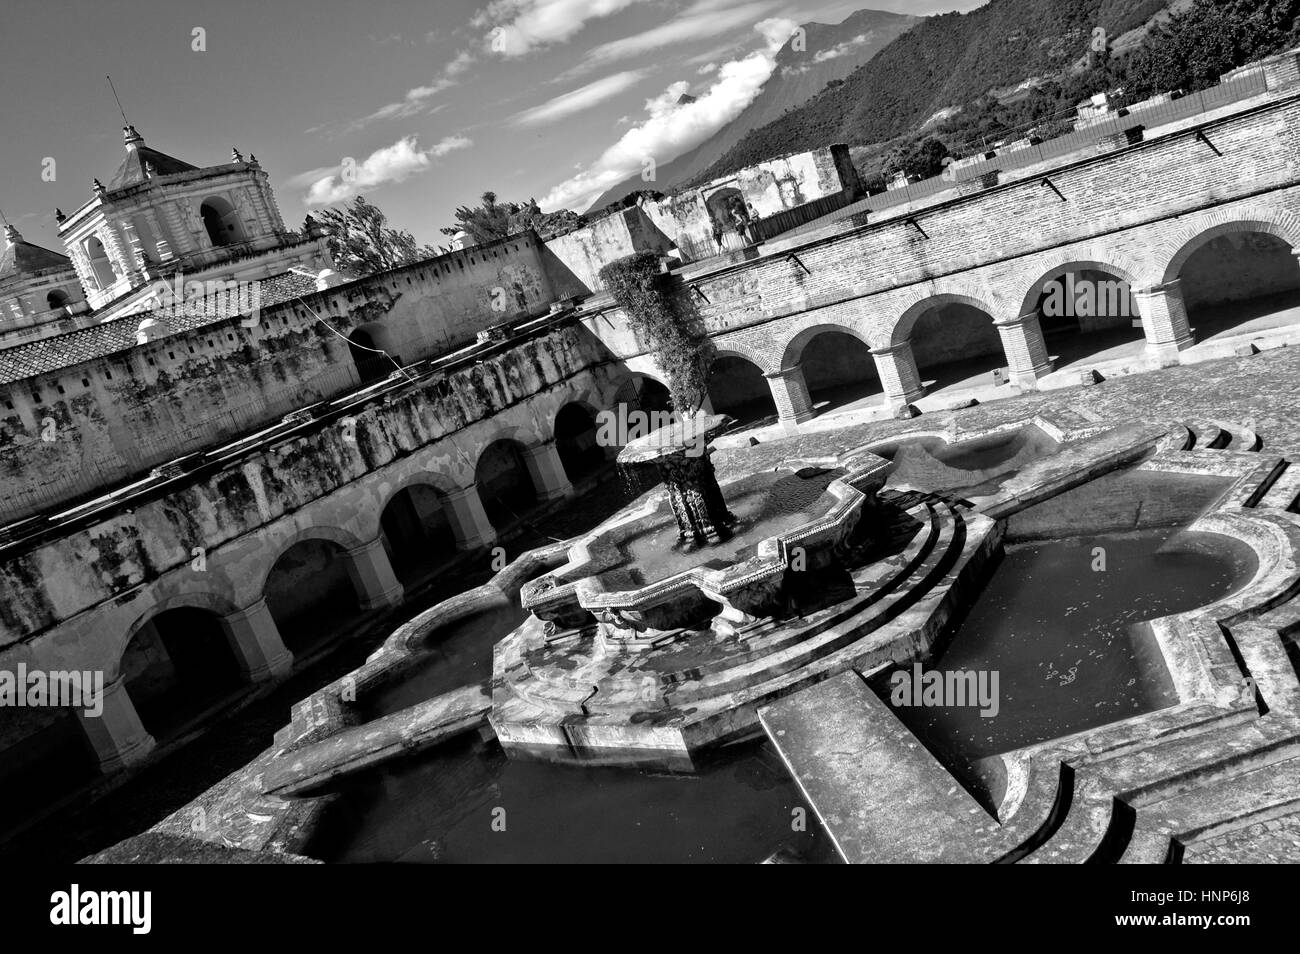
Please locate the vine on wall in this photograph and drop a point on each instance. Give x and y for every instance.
(666, 323)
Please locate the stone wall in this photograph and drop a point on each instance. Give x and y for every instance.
(115, 417)
(76, 596)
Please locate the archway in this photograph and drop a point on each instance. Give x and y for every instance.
(838, 370)
(221, 222)
(417, 533)
(1239, 282)
(576, 443)
(177, 666)
(310, 593)
(505, 485)
(100, 264)
(737, 387)
(371, 363)
(1087, 314)
(730, 217)
(57, 299)
(954, 342)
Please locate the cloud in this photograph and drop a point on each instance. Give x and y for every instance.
(840, 49)
(579, 99)
(416, 102)
(707, 68)
(395, 163)
(671, 129)
(705, 18)
(520, 26)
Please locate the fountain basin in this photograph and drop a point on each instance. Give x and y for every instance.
(794, 519)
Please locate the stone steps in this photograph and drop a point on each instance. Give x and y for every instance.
(1282, 495)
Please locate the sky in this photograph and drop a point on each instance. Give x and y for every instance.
(418, 106)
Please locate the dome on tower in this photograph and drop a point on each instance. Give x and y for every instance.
(21, 259)
(142, 163)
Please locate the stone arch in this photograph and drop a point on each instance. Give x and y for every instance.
(321, 586)
(575, 428)
(178, 663)
(219, 603)
(417, 525)
(221, 221)
(506, 483)
(57, 299)
(1182, 244)
(102, 267)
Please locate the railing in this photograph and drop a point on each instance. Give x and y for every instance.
(1085, 137)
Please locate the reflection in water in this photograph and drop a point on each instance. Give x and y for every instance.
(1068, 641)
(441, 807)
(455, 655)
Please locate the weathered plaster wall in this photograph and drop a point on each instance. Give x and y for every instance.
(73, 600)
(116, 416)
(585, 251)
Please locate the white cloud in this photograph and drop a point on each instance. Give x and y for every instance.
(840, 49)
(579, 99)
(395, 163)
(705, 18)
(669, 130)
(519, 26)
(776, 30)
(707, 68)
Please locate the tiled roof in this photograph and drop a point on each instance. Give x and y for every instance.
(110, 337)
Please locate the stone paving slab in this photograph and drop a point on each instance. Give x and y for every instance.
(880, 794)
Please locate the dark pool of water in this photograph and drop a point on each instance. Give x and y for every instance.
(450, 804)
(1068, 642)
(456, 655)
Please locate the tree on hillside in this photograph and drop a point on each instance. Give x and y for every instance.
(362, 242)
(921, 159)
(492, 220)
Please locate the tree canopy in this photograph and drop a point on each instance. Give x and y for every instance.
(361, 241)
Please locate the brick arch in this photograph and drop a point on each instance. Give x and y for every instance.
(794, 347)
(1111, 262)
(1181, 245)
(736, 349)
(976, 296)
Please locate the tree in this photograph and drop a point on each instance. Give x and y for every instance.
(361, 241)
(493, 220)
(921, 159)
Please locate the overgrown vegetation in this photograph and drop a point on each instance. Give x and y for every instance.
(667, 324)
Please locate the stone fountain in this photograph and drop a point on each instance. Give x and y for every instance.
(696, 579)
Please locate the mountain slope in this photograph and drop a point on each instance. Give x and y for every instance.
(831, 52)
(944, 61)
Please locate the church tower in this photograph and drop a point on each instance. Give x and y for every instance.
(159, 216)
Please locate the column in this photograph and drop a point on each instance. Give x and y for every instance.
(256, 642)
(119, 253)
(790, 394)
(179, 227)
(163, 249)
(116, 735)
(547, 471)
(1022, 340)
(372, 575)
(1164, 321)
(898, 375)
(469, 521)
